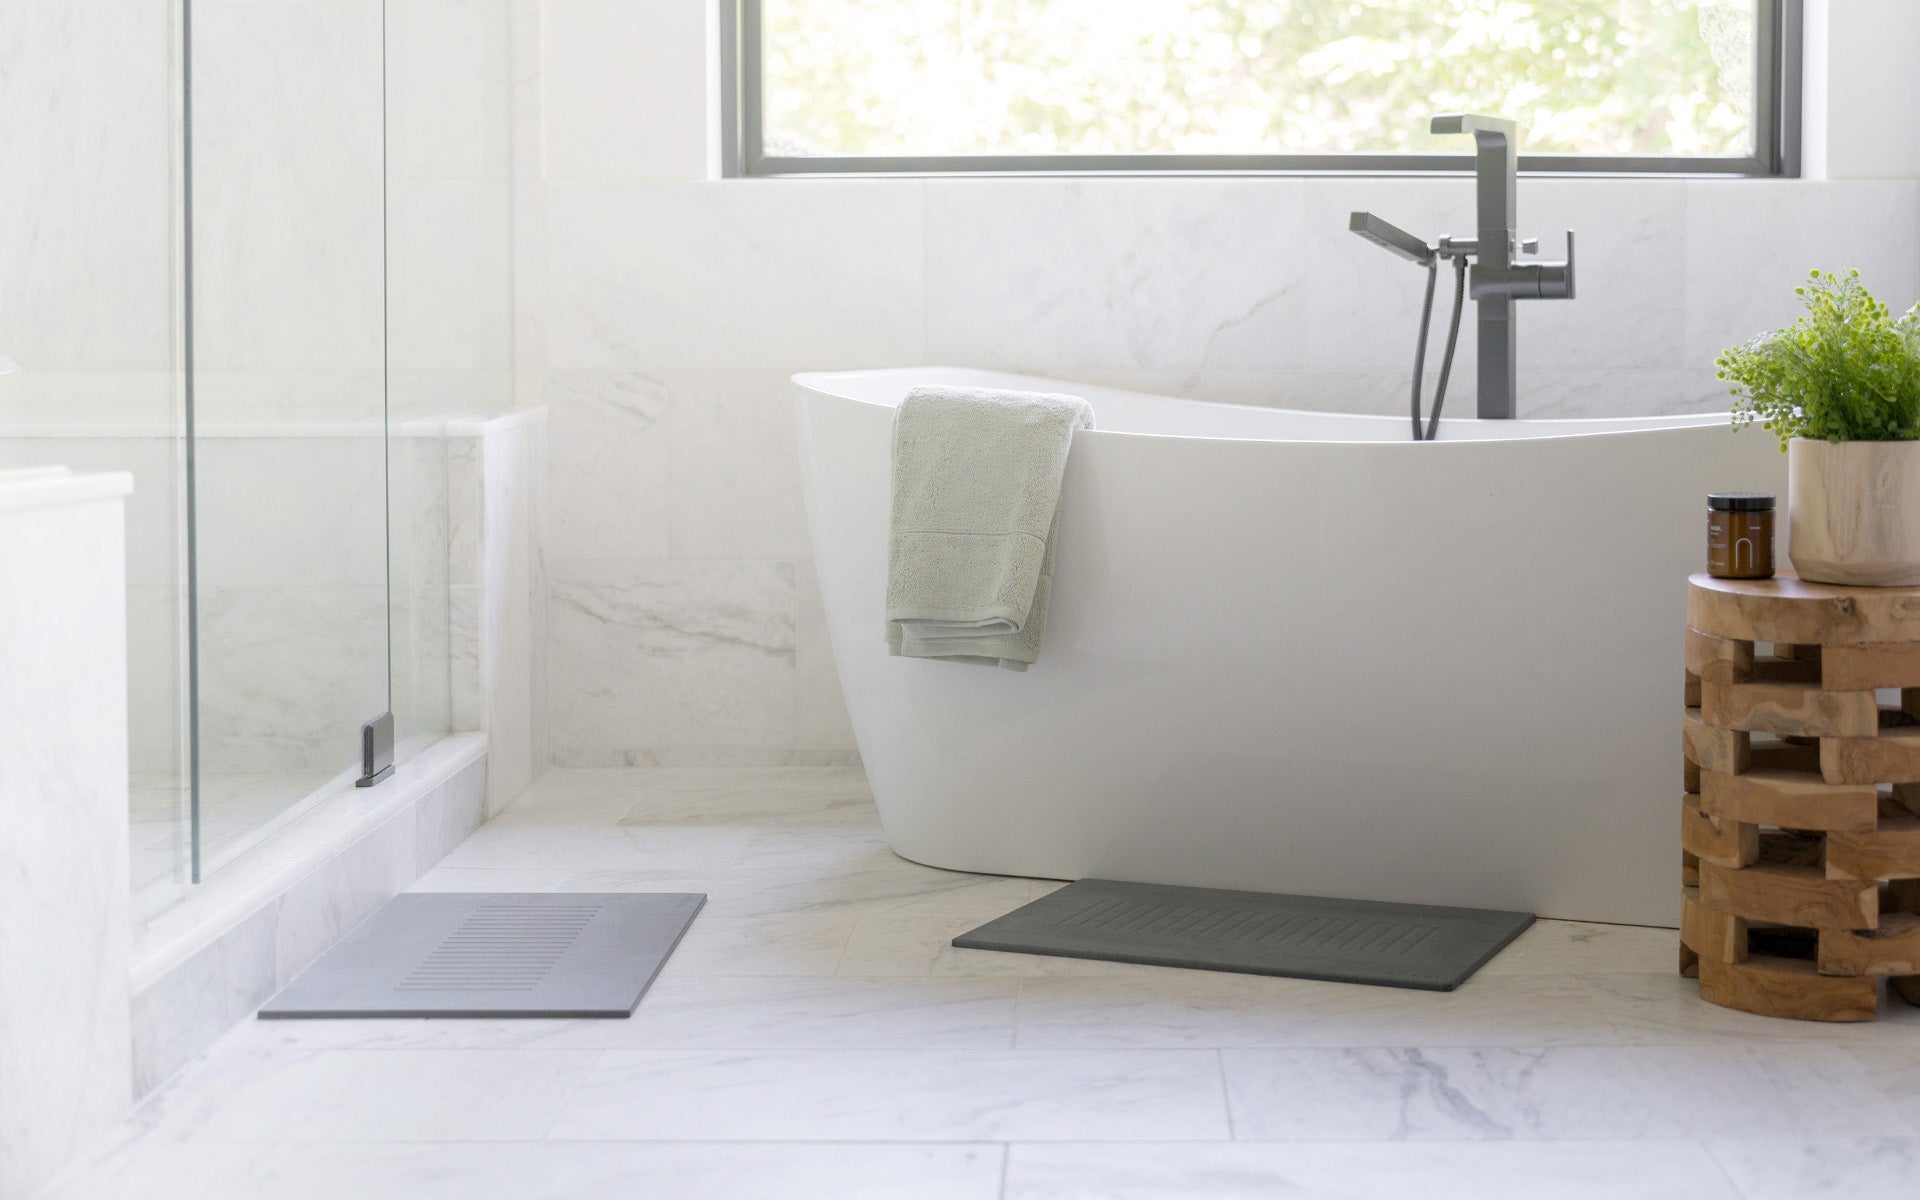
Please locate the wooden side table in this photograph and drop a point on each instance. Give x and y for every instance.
(1800, 864)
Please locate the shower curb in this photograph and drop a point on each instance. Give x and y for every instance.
(202, 966)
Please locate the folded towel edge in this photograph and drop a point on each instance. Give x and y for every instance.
(961, 617)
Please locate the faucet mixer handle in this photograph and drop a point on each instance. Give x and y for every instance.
(1556, 279)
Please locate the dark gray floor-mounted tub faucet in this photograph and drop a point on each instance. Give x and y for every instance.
(1499, 276)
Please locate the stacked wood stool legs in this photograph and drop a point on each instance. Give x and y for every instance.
(1800, 826)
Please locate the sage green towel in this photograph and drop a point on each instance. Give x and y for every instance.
(976, 496)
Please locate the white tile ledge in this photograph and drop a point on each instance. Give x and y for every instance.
(422, 427)
(216, 907)
(499, 423)
(51, 487)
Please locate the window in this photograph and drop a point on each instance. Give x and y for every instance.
(1702, 86)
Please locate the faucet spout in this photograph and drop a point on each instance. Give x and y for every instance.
(1496, 172)
(1499, 278)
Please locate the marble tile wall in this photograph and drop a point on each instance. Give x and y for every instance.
(496, 475)
(88, 251)
(419, 542)
(349, 272)
(686, 626)
(288, 183)
(64, 1023)
(154, 594)
(450, 289)
(526, 65)
(87, 210)
(292, 538)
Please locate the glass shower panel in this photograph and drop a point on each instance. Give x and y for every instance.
(450, 323)
(89, 313)
(288, 406)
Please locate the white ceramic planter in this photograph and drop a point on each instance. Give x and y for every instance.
(1853, 512)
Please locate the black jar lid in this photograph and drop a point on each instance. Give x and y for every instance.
(1739, 502)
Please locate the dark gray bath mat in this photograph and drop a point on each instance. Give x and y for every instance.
(1257, 933)
(495, 954)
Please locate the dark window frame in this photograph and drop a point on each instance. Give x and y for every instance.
(1777, 103)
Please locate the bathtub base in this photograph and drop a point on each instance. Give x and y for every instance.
(1317, 841)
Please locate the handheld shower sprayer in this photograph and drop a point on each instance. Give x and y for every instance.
(1391, 238)
(1395, 240)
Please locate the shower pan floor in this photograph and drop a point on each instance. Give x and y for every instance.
(235, 812)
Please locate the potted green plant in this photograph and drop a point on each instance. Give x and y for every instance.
(1840, 388)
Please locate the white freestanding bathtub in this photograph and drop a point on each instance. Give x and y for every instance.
(1299, 652)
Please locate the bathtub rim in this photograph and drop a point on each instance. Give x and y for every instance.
(1549, 429)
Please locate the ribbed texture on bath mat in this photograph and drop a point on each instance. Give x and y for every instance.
(1256, 933)
(976, 494)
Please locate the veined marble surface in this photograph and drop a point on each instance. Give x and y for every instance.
(64, 1065)
(154, 590)
(496, 562)
(817, 1035)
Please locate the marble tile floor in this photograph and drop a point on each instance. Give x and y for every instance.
(817, 1036)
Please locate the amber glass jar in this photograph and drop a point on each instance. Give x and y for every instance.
(1740, 535)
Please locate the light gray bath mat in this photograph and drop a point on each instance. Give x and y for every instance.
(495, 954)
(1257, 933)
